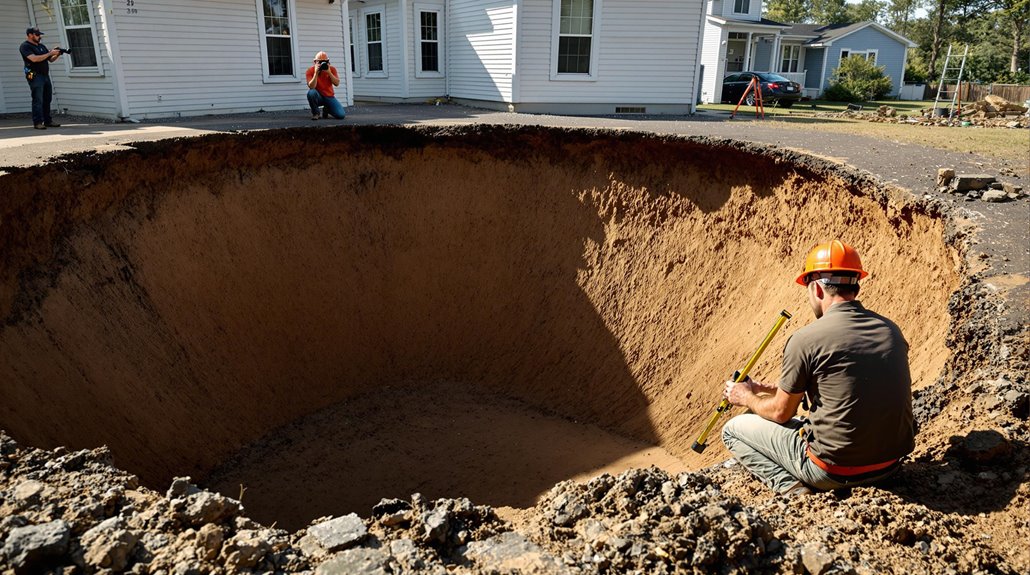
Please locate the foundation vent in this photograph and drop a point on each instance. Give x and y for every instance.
(630, 110)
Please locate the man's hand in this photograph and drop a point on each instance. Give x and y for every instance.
(738, 393)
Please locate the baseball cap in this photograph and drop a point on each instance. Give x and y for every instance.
(33, 30)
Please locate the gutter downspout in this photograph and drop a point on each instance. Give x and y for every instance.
(347, 40)
(405, 56)
(516, 83)
(115, 53)
(696, 89)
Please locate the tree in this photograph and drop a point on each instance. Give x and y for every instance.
(788, 11)
(830, 11)
(1017, 12)
(866, 10)
(899, 13)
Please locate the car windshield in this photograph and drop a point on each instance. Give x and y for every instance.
(774, 78)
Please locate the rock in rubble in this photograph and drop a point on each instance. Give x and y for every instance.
(816, 558)
(981, 447)
(944, 176)
(30, 547)
(995, 196)
(511, 552)
(108, 545)
(205, 507)
(339, 533)
(968, 182)
(361, 561)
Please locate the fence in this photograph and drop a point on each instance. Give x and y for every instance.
(1015, 93)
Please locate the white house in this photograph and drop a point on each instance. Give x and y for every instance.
(159, 58)
(738, 39)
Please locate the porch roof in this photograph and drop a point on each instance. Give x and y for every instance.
(763, 24)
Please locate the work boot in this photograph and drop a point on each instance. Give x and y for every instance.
(39, 126)
(52, 125)
(314, 116)
(798, 488)
(325, 113)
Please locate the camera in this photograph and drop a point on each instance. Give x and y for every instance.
(323, 65)
(64, 51)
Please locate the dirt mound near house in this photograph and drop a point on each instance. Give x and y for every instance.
(330, 317)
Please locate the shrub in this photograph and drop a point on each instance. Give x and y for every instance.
(857, 80)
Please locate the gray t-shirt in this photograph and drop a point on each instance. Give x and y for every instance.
(852, 364)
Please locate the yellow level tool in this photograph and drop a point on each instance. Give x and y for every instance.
(699, 445)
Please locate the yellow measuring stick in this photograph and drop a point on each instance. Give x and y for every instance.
(699, 445)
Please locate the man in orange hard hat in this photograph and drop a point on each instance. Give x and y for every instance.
(850, 368)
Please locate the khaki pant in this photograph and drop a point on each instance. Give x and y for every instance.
(776, 454)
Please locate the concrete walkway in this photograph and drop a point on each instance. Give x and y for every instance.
(1004, 238)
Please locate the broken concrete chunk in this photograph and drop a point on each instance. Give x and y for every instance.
(511, 552)
(29, 547)
(206, 507)
(944, 176)
(357, 562)
(339, 533)
(108, 545)
(966, 182)
(995, 196)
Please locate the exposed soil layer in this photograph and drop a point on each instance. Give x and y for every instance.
(184, 300)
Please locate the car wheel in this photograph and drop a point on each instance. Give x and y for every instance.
(750, 100)
(786, 103)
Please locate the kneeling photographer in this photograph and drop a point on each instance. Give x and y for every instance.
(322, 77)
(36, 58)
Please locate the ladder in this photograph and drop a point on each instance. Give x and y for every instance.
(950, 73)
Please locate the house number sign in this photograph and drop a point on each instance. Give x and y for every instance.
(130, 7)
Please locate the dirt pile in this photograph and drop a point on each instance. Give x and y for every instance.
(73, 512)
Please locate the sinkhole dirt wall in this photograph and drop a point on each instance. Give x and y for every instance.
(179, 300)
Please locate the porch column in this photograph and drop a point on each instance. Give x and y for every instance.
(774, 60)
(747, 53)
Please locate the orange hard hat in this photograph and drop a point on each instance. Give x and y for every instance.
(832, 256)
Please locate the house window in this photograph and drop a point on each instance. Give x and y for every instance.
(576, 22)
(374, 43)
(741, 6)
(867, 54)
(790, 58)
(354, 68)
(78, 29)
(428, 32)
(278, 32)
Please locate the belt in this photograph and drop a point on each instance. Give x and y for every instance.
(847, 470)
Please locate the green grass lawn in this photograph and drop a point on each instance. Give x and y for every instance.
(811, 107)
(997, 142)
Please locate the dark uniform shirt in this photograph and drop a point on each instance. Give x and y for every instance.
(29, 49)
(852, 365)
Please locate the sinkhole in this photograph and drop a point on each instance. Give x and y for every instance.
(317, 319)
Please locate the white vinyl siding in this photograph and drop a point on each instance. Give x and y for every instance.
(480, 46)
(14, 94)
(195, 57)
(79, 35)
(713, 54)
(647, 54)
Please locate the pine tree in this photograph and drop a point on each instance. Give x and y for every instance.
(830, 11)
(788, 11)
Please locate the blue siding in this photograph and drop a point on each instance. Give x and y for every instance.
(763, 52)
(814, 66)
(891, 54)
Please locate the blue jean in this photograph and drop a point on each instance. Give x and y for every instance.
(42, 95)
(776, 454)
(332, 106)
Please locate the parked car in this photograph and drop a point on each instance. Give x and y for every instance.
(775, 89)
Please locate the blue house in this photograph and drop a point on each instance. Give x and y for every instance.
(737, 39)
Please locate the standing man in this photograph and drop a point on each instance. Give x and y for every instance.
(850, 366)
(322, 77)
(36, 58)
